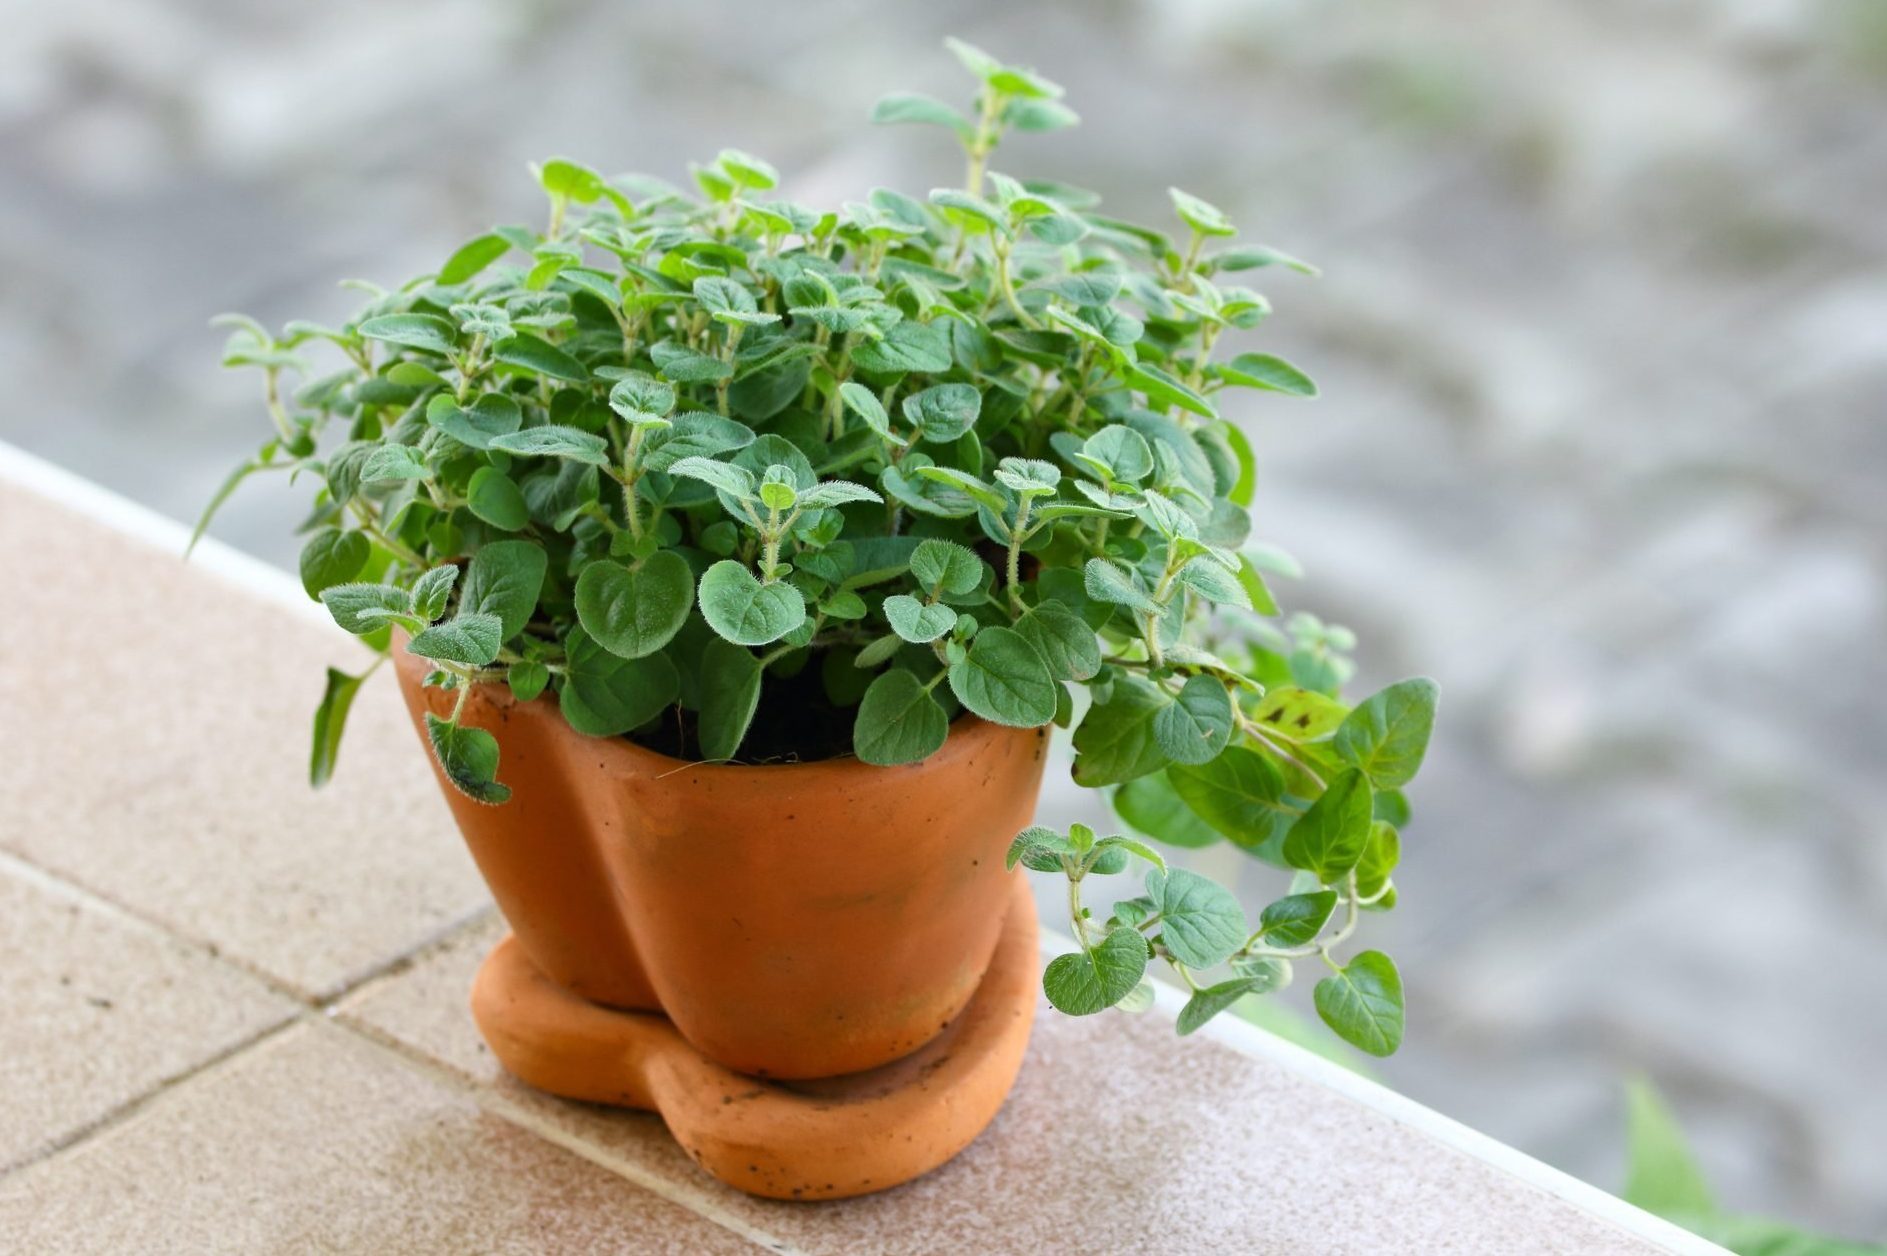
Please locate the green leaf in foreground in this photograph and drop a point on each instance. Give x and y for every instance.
(1210, 1001)
(332, 557)
(1091, 981)
(330, 721)
(899, 721)
(1661, 1173)
(471, 640)
(1330, 837)
(1387, 735)
(730, 690)
(1362, 1003)
(1149, 804)
(633, 611)
(1200, 921)
(1197, 724)
(1005, 680)
(469, 757)
(606, 695)
(504, 579)
(746, 612)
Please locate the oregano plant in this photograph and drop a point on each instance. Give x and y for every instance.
(745, 479)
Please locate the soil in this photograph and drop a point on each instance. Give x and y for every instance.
(794, 723)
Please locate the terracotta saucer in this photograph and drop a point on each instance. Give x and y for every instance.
(825, 1139)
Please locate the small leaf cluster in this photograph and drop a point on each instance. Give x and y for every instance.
(953, 453)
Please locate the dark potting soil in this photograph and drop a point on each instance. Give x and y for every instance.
(794, 723)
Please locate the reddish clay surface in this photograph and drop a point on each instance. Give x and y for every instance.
(793, 921)
(810, 1140)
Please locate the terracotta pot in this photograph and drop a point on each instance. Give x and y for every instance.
(793, 921)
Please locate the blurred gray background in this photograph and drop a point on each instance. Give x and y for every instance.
(1603, 339)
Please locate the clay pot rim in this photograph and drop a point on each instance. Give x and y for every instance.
(968, 733)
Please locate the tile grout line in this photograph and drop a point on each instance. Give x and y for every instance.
(78, 1140)
(63, 886)
(514, 1113)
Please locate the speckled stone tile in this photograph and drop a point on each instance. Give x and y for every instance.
(1117, 1138)
(155, 720)
(97, 1010)
(320, 1142)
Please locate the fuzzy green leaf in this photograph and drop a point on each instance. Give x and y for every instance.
(1363, 1003)
(1091, 981)
(636, 611)
(899, 721)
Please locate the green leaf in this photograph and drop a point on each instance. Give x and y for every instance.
(736, 482)
(1262, 370)
(1149, 804)
(907, 347)
(1196, 725)
(1387, 735)
(1122, 452)
(222, 494)
(944, 412)
(636, 611)
(566, 178)
(1297, 919)
(945, 569)
(330, 720)
(1363, 1003)
(1164, 390)
(433, 590)
(413, 331)
(1115, 741)
(901, 107)
(472, 258)
(1240, 793)
(746, 612)
(388, 463)
(829, 493)
(540, 357)
(1329, 838)
(1209, 1002)
(1380, 856)
(1200, 920)
(332, 557)
(527, 678)
(493, 415)
(730, 692)
(504, 579)
(1091, 981)
(899, 721)
(684, 366)
(1005, 680)
(1107, 581)
(469, 757)
(1204, 218)
(1299, 714)
(496, 498)
(346, 602)
(555, 441)
(863, 402)
(1063, 639)
(606, 695)
(1661, 1173)
(1252, 256)
(918, 622)
(469, 639)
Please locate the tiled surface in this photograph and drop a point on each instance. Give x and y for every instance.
(97, 1011)
(204, 1111)
(316, 1142)
(135, 768)
(1115, 1140)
